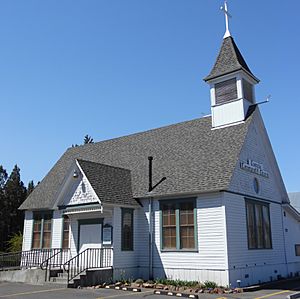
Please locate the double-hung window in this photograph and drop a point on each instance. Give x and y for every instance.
(258, 225)
(178, 225)
(66, 232)
(41, 237)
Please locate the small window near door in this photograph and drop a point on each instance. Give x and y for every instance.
(127, 229)
(66, 232)
(297, 249)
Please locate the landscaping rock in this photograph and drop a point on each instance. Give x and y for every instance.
(135, 285)
(118, 284)
(159, 286)
(148, 285)
(238, 290)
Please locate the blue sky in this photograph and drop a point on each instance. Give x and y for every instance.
(113, 67)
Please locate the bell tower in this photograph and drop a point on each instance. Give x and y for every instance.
(231, 83)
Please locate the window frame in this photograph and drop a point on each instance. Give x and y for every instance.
(177, 203)
(64, 231)
(297, 248)
(42, 216)
(254, 204)
(123, 212)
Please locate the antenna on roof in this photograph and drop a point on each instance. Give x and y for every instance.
(267, 100)
(227, 16)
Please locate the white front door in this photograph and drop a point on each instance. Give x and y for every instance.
(90, 236)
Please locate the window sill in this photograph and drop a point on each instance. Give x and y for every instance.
(179, 250)
(260, 248)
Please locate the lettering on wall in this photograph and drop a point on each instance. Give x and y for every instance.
(254, 167)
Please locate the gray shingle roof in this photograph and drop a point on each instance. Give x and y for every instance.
(192, 156)
(294, 198)
(111, 184)
(228, 61)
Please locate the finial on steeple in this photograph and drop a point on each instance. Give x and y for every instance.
(227, 16)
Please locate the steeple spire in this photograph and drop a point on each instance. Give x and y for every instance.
(227, 16)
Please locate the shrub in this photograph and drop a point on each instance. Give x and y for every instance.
(15, 242)
(210, 284)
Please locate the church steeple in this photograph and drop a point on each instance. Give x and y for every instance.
(228, 61)
(231, 83)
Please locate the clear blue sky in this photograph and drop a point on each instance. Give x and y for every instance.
(113, 67)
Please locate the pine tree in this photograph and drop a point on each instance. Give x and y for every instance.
(3, 216)
(88, 139)
(30, 187)
(14, 193)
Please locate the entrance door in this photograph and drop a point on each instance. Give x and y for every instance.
(90, 236)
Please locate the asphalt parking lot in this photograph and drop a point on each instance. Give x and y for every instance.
(26, 291)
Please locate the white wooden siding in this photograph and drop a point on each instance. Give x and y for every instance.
(259, 265)
(209, 263)
(57, 223)
(27, 231)
(257, 147)
(292, 237)
(125, 262)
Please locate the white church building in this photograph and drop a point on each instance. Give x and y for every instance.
(209, 205)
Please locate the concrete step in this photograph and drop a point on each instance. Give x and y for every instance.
(59, 280)
(63, 275)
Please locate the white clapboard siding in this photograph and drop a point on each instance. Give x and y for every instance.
(27, 231)
(257, 147)
(292, 237)
(57, 223)
(125, 262)
(208, 263)
(256, 265)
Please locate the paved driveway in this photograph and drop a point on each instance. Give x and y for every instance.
(18, 290)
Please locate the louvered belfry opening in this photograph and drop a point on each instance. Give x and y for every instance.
(248, 91)
(226, 91)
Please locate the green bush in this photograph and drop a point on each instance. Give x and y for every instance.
(15, 242)
(210, 284)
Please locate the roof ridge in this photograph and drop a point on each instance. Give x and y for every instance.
(102, 164)
(140, 132)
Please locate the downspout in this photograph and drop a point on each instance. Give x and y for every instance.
(284, 240)
(150, 221)
(150, 239)
(150, 189)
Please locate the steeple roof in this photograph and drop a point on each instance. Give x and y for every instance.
(228, 61)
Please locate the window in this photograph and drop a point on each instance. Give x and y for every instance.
(258, 225)
(297, 249)
(66, 232)
(178, 225)
(41, 237)
(127, 229)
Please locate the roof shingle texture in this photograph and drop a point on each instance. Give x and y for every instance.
(229, 60)
(111, 184)
(193, 157)
(294, 198)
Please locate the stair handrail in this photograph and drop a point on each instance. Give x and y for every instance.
(46, 262)
(88, 255)
(25, 258)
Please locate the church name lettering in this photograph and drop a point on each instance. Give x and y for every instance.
(254, 167)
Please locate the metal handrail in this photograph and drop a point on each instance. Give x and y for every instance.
(90, 258)
(55, 260)
(25, 259)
